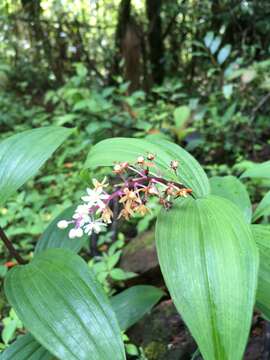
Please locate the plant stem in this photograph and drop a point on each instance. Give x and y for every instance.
(114, 225)
(13, 252)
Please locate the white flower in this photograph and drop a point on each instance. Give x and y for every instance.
(76, 232)
(62, 224)
(82, 210)
(81, 215)
(95, 197)
(94, 226)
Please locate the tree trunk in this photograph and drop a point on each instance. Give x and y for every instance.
(128, 46)
(155, 39)
(122, 22)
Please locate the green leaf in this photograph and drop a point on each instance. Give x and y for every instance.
(60, 302)
(261, 171)
(262, 237)
(129, 306)
(191, 174)
(131, 350)
(227, 90)
(113, 260)
(223, 54)
(263, 209)
(248, 75)
(209, 262)
(9, 330)
(181, 115)
(228, 115)
(120, 275)
(3, 271)
(23, 154)
(215, 44)
(208, 38)
(132, 304)
(26, 348)
(53, 237)
(232, 189)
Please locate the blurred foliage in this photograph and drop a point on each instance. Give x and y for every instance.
(57, 66)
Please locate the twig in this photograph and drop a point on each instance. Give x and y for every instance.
(13, 252)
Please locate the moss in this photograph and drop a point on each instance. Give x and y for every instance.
(155, 350)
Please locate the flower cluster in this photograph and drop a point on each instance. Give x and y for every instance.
(139, 181)
(93, 214)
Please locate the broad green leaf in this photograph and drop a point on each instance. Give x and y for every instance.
(263, 209)
(181, 115)
(208, 38)
(215, 44)
(131, 304)
(110, 151)
(60, 302)
(223, 54)
(261, 171)
(26, 348)
(232, 189)
(23, 154)
(53, 237)
(262, 237)
(209, 262)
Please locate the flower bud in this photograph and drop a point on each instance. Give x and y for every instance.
(150, 157)
(72, 233)
(63, 224)
(79, 232)
(140, 160)
(75, 233)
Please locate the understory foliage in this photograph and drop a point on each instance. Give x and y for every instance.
(119, 118)
(207, 248)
